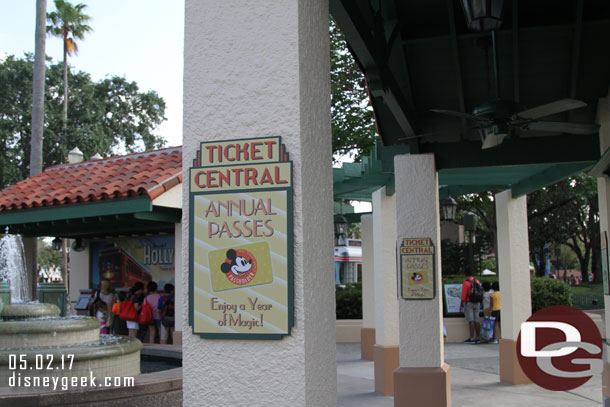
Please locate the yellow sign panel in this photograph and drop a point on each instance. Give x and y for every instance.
(241, 249)
(417, 269)
(256, 176)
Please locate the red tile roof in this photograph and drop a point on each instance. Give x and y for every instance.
(149, 173)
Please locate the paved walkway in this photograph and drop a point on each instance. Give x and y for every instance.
(469, 364)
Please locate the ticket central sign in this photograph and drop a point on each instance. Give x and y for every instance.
(417, 276)
(241, 248)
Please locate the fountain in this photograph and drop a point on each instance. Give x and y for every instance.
(36, 342)
(13, 277)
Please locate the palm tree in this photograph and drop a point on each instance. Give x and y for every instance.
(38, 89)
(69, 23)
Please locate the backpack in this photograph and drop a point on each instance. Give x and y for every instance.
(146, 316)
(476, 291)
(128, 311)
(168, 312)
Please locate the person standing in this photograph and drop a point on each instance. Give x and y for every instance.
(487, 298)
(472, 295)
(495, 310)
(152, 299)
(137, 298)
(167, 312)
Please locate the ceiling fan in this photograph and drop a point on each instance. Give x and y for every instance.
(499, 118)
(496, 119)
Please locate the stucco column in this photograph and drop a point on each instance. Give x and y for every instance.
(179, 283)
(423, 378)
(261, 69)
(385, 351)
(367, 334)
(603, 194)
(513, 268)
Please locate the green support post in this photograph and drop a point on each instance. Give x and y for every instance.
(53, 293)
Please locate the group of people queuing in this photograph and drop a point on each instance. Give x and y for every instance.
(141, 313)
(474, 297)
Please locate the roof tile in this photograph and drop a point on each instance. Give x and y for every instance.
(149, 173)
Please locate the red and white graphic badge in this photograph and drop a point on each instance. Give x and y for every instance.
(560, 348)
(240, 266)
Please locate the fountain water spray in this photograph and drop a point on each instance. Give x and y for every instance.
(12, 267)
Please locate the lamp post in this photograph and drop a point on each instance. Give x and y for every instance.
(449, 207)
(470, 225)
(483, 15)
(57, 243)
(340, 229)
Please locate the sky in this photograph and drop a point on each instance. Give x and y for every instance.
(141, 40)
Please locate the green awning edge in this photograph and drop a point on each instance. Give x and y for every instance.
(77, 210)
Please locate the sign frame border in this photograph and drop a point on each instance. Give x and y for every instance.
(290, 254)
(433, 270)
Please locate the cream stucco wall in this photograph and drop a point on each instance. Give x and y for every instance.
(79, 272)
(417, 215)
(256, 69)
(384, 243)
(368, 278)
(513, 262)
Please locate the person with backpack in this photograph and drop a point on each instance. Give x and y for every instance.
(166, 309)
(131, 309)
(472, 296)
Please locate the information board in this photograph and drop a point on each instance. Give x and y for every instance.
(453, 298)
(417, 277)
(241, 241)
(605, 268)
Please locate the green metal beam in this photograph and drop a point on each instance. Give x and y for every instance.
(75, 211)
(576, 41)
(458, 190)
(456, 63)
(547, 177)
(601, 167)
(355, 217)
(105, 228)
(358, 184)
(370, 56)
(522, 151)
(161, 214)
(515, 34)
(365, 196)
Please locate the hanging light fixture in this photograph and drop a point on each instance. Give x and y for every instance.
(449, 207)
(483, 15)
(340, 228)
(57, 243)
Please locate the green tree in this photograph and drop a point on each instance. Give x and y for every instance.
(47, 256)
(105, 117)
(353, 126)
(69, 23)
(566, 213)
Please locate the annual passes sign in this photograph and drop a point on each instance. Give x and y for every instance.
(241, 248)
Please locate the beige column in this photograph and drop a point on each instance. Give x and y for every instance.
(385, 351)
(513, 269)
(180, 254)
(261, 69)
(423, 378)
(603, 194)
(367, 333)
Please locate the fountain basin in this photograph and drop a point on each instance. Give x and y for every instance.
(117, 358)
(28, 311)
(39, 325)
(48, 332)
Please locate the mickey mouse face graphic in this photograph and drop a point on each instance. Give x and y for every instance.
(239, 266)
